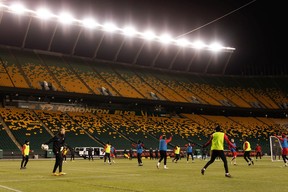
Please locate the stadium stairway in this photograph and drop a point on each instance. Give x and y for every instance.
(10, 134)
(77, 75)
(5, 78)
(103, 79)
(150, 141)
(158, 93)
(50, 73)
(130, 84)
(17, 64)
(97, 140)
(41, 122)
(111, 127)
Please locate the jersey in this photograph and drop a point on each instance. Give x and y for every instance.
(107, 148)
(246, 146)
(25, 150)
(233, 149)
(163, 143)
(139, 148)
(284, 143)
(177, 150)
(218, 141)
(189, 149)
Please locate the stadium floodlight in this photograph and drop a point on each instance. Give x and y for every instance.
(109, 27)
(89, 23)
(149, 35)
(43, 13)
(198, 45)
(215, 47)
(129, 31)
(165, 38)
(182, 42)
(65, 18)
(17, 8)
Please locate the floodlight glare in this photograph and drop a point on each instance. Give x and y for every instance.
(89, 23)
(149, 35)
(110, 27)
(66, 18)
(2, 5)
(182, 42)
(165, 38)
(198, 45)
(215, 46)
(43, 13)
(129, 31)
(17, 8)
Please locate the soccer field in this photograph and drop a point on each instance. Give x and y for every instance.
(125, 175)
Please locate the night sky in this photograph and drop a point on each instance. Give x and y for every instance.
(256, 30)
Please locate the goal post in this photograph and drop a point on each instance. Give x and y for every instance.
(275, 149)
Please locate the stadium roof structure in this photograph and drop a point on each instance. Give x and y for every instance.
(100, 39)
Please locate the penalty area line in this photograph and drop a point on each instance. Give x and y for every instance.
(8, 188)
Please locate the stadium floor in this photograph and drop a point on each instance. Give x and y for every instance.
(126, 175)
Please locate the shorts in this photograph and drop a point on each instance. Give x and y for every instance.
(285, 151)
(234, 154)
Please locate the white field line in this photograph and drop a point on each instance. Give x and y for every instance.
(8, 188)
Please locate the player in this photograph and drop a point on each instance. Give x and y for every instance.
(72, 153)
(234, 152)
(189, 152)
(247, 150)
(130, 154)
(139, 147)
(217, 149)
(113, 153)
(25, 154)
(151, 154)
(284, 145)
(156, 153)
(58, 144)
(90, 153)
(107, 150)
(177, 153)
(163, 150)
(64, 152)
(258, 150)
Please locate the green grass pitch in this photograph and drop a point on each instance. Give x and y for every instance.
(125, 175)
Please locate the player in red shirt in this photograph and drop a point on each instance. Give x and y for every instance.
(258, 150)
(233, 151)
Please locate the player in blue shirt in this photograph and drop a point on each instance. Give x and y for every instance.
(189, 151)
(163, 150)
(139, 147)
(284, 145)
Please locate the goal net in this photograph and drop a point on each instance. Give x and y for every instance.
(275, 149)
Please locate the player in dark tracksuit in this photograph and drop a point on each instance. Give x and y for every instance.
(58, 144)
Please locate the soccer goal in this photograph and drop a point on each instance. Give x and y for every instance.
(275, 149)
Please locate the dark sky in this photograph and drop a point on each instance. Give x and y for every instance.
(255, 30)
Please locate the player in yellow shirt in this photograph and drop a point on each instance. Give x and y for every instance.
(64, 152)
(107, 150)
(247, 150)
(177, 153)
(25, 154)
(217, 149)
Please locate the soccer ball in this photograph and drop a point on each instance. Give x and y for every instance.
(44, 147)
